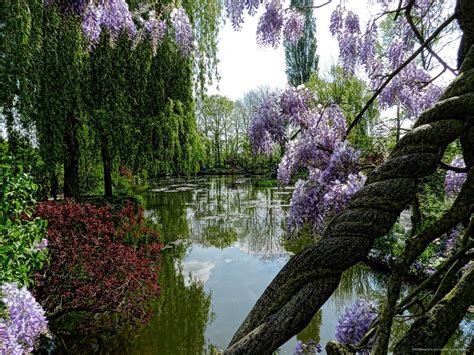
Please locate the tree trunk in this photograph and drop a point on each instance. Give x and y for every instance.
(107, 164)
(71, 161)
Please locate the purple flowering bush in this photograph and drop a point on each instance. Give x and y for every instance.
(354, 324)
(22, 321)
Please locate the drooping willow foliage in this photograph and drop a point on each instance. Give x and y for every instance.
(117, 101)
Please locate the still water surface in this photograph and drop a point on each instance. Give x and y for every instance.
(233, 233)
(229, 248)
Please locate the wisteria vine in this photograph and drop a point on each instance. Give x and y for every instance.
(330, 162)
(412, 89)
(454, 180)
(275, 20)
(355, 323)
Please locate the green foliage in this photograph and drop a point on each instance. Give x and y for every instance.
(20, 35)
(216, 116)
(19, 232)
(266, 183)
(206, 18)
(393, 244)
(301, 58)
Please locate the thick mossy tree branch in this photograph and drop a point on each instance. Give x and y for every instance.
(430, 332)
(287, 305)
(414, 248)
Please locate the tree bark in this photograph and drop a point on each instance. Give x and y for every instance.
(107, 165)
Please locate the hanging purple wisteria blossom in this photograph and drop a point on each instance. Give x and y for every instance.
(156, 29)
(311, 347)
(26, 320)
(267, 127)
(294, 26)
(183, 31)
(454, 181)
(270, 25)
(319, 149)
(116, 17)
(235, 10)
(412, 89)
(354, 324)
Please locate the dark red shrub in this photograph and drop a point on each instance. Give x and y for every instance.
(99, 261)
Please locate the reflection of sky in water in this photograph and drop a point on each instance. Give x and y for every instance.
(236, 231)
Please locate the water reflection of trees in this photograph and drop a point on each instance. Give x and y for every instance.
(181, 317)
(221, 212)
(168, 211)
(360, 281)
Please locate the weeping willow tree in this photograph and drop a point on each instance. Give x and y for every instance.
(20, 42)
(130, 99)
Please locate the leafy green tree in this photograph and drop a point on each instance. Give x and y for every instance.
(301, 58)
(215, 117)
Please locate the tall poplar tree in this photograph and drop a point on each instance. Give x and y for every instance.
(301, 58)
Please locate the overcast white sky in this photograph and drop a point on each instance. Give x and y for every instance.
(245, 66)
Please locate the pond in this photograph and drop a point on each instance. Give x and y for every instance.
(234, 233)
(229, 247)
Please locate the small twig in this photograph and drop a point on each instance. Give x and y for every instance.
(398, 70)
(420, 38)
(399, 9)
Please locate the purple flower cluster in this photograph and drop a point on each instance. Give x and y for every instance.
(183, 30)
(311, 347)
(411, 89)
(454, 181)
(295, 104)
(116, 17)
(113, 15)
(267, 127)
(319, 149)
(270, 25)
(43, 244)
(156, 28)
(354, 324)
(313, 203)
(25, 322)
(294, 26)
(235, 10)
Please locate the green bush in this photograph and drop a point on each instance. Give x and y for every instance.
(20, 234)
